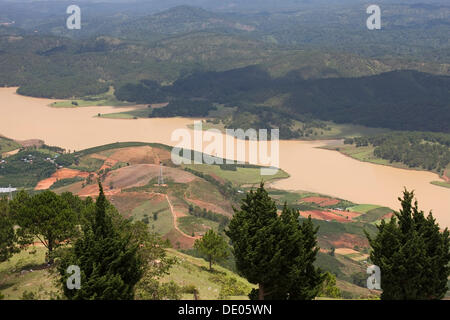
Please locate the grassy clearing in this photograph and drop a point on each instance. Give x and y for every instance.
(88, 164)
(339, 131)
(163, 223)
(441, 184)
(104, 99)
(194, 271)
(132, 114)
(7, 145)
(240, 176)
(363, 208)
(192, 225)
(373, 215)
(16, 276)
(73, 188)
(332, 131)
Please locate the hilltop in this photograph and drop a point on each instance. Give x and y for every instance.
(195, 198)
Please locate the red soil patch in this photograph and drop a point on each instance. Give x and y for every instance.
(446, 176)
(323, 202)
(139, 175)
(108, 164)
(323, 215)
(347, 240)
(31, 143)
(387, 216)
(92, 190)
(209, 206)
(98, 156)
(61, 174)
(349, 214)
(126, 202)
(176, 237)
(141, 155)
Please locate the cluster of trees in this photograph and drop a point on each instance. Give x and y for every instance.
(427, 150)
(385, 100)
(184, 108)
(412, 254)
(208, 214)
(113, 254)
(226, 189)
(36, 167)
(146, 91)
(26, 173)
(277, 252)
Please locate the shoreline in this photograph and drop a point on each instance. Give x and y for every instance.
(443, 178)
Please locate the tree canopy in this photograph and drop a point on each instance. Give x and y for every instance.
(275, 252)
(412, 254)
(213, 246)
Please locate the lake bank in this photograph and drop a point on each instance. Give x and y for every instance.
(310, 167)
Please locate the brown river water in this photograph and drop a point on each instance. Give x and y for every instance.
(310, 168)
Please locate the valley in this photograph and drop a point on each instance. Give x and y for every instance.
(309, 167)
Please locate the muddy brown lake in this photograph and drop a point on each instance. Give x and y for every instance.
(310, 168)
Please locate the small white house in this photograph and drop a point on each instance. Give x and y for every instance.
(7, 190)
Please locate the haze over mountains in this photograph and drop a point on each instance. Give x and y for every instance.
(124, 42)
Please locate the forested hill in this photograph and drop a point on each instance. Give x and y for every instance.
(116, 46)
(401, 100)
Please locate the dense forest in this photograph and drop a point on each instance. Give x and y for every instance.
(46, 60)
(386, 100)
(427, 150)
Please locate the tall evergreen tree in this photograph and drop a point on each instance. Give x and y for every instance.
(412, 254)
(107, 256)
(277, 253)
(7, 235)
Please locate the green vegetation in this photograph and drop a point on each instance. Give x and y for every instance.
(412, 254)
(7, 145)
(107, 256)
(147, 211)
(24, 273)
(275, 252)
(364, 101)
(441, 184)
(425, 150)
(25, 169)
(239, 175)
(87, 163)
(374, 214)
(105, 99)
(329, 288)
(7, 235)
(192, 225)
(363, 208)
(65, 182)
(213, 246)
(208, 214)
(193, 271)
(45, 216)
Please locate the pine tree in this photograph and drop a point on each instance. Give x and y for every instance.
(45, 216)
(412, 254)
(7, 235)
(213, 246)
(109, 261)
(277, 253)
(301, 280)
